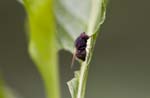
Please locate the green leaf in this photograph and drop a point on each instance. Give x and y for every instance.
(74, 17)
(7, 92)
(42, 42)
(11, 93)
(73, 84)
(2, 91)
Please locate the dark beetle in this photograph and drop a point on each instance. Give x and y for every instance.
(80, 45)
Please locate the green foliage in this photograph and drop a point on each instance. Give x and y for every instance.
(6, 92)
(2, 94)
(74, 17)
(42, 45)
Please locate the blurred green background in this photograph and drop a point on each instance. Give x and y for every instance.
(120, 65)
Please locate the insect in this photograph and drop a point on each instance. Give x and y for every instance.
(80, 47)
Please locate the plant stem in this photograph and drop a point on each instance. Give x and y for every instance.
(96, 4)
(85, 68)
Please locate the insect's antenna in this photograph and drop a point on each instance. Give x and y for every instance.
(73, 59)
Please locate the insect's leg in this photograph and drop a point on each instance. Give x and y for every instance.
(73, 58)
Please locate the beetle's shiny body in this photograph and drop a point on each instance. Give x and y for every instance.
(80, 45)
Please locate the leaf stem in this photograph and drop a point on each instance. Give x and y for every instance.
(85, 68)
(96, 4)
